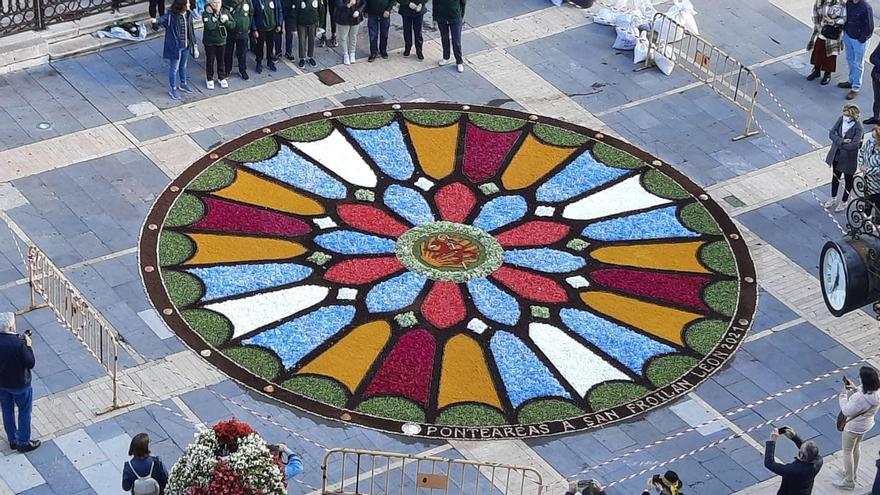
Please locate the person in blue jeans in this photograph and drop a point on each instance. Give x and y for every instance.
(449, 15)
(856, 33)
(180, 43)
(378, 22)
(16, 363)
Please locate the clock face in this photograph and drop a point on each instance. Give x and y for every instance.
(834, 278)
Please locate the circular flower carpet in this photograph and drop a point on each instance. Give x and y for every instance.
(449, 271)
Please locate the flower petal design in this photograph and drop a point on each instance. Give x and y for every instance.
(396, 293)
(455, 201)
(626, 346)
(493, 302)
(654, 319)
(296, 171)
(444, 307)
(370, 219)
(250, 188)
(464, 374)
(485, 151)
(350, 242)
(435, 148)
(672, 256)
(544, 260)
(387, 149)
(337, 155)
(628, 195)
(501, 211)
(534, 233)
(581, 367)
(349, 360)
(655, 224)
(219, 248)
(226, 281)
(676, 288)
(293, 340)
(578, 177)
(408, 368)
(361, 271)
(409, 204)
(525, 377)
(252, 312)
(226, 216)
(532, 161)
(531, 286)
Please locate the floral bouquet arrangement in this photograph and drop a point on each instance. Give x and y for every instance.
(228, 459)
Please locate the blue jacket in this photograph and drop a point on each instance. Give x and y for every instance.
(16, 361)
(142, 468)
(797, 476)
(168, 20)
(859, 20)
(294, 464)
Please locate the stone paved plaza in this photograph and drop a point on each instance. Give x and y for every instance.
(80, 191)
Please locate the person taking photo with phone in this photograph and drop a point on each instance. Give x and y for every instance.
(858, 406)
(797, 476)
(16, 363)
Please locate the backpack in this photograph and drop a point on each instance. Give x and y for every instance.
(144, 485)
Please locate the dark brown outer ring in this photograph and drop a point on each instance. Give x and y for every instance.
(148, 256)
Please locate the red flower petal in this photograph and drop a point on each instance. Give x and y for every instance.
(444, 305)
(371, 219)
(531, 286)
(360, 271)
(454, 201)
(407, 369)
(226, 216)
(535, 233)
(485, 151)
(676, 288)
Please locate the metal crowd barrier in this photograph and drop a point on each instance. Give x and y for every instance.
(76, 313)
(708, 63)
(368, 472)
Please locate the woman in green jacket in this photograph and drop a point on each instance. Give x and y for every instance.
(216, 20)
(306, 12)
(449, 16)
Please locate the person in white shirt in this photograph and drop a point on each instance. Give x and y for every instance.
(859, 405)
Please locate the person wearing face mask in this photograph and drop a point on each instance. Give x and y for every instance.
(307, 12)
(412, 12)
(267, 22)
(237, 37)
(349, 14)
(216, 21)
(846, 138)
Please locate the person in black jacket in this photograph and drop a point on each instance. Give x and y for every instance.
(412, 12)
(875, 84)
(16, 363)
(349, 14)
(267, 21)
(797, 476)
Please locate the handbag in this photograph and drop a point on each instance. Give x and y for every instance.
(830, 32)
(842, 420)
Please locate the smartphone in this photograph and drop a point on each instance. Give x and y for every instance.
(28, 332)
(782, 430)
(846, 381)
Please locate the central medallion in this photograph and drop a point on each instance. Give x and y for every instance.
(449, 251)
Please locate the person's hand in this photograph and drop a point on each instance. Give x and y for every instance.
(774, 434)
(412, 5)
(847, 141)
(27, 340)
(650, 484)
(386, 14)
(278, 29)
(572, 486)
(195, 52)
(256, 34)
(355, 14)
(224, 18)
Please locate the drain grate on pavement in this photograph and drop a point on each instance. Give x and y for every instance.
(328, 77)
(734, 201)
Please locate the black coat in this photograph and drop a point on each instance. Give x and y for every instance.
(797, 476)
(344, 12)
(844, 157)
(16, 361)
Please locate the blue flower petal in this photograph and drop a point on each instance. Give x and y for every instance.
(350, 242)
(387, 149)
(544, 260)
(654, 224)
(500, 212)
(409, 204)
(292, 169)
(581, 175)
(496, 304)
(291, 341)
(524, 375)
(630, 348)
(225, 281)
(395, 293)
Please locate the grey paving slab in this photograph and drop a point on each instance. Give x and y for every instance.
(149, 128)
(771, 312)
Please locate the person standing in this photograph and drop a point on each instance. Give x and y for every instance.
(306, 12)
(288, 15)
(875, 85)
(858, 405)
(156, 9)
(412, 12)
(797, 476)
(216, 21)
(349, 14)
(328, 9)
(449, 15)
(267, 22)
(857, 30)
(237, 38)
(378, 22)
(846, 138)
(292, 463)
(16, 363)
(180, 43)
(143, 473)
(829, 17)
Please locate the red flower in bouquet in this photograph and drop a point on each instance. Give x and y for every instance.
(228, 433)
(225, 481)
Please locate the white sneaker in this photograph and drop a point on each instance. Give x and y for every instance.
(210, 84)
(351, 57)
(841, 207)
(443, 62)
(224, 84)
(345, 59)
(830, 204)
(460, 67)
(844, 485)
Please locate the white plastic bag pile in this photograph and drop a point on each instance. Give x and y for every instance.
(628, 18)
(683, 14)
